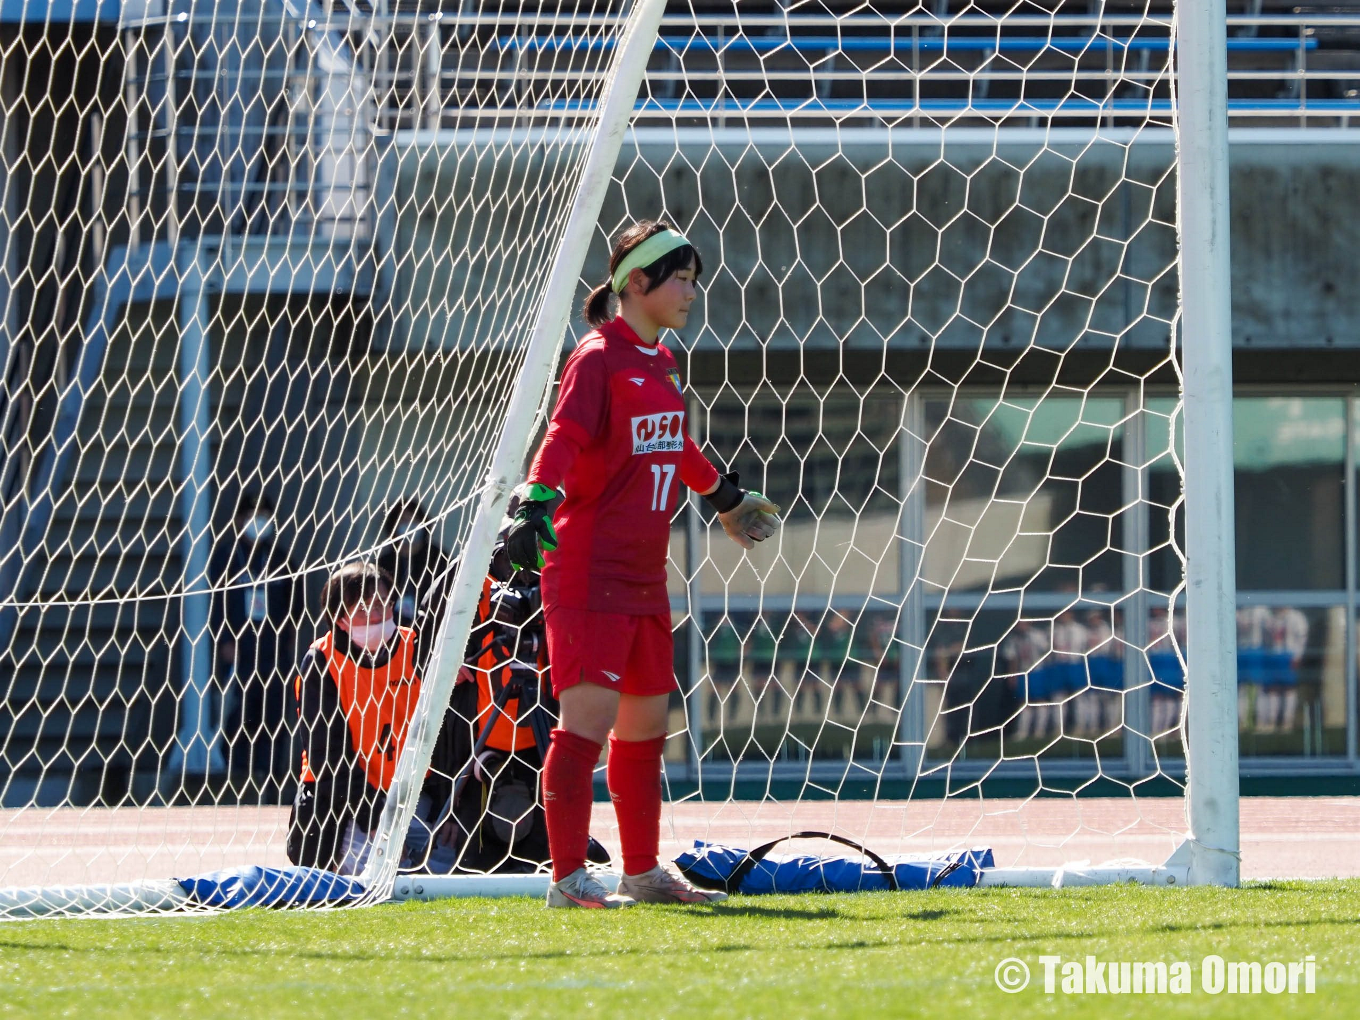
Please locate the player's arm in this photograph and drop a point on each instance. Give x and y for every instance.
(578, 419)
(747, 517)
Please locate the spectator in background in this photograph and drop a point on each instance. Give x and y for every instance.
(415, 562)
(257, 607)
(1099, 709)
(830, 650)
(723, 658)
(1253, 625)
(1068, 670)
(1288, 634)
(1022, 651)
(1165, 635)
(885, 660)
(813, 693)
(942, 655)
(763, 652)
(355, 696)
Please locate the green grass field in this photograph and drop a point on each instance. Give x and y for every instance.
(868, 955)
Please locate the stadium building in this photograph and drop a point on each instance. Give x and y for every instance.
(230, 239)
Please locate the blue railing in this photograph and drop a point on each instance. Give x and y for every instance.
(896, 42)
(1074, 106)
(913, 63)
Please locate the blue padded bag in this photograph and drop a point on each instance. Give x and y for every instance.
(271, 887)
(730, 869)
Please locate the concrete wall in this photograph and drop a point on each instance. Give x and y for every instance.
(1296, 243)
(906, 238)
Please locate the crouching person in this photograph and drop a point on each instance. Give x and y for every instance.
(497, 732)
(356, 692)
(508, 714)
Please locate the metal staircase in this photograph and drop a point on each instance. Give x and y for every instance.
(249, 166)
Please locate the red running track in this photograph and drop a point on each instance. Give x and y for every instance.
(1282, 837)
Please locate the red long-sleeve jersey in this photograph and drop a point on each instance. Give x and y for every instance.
(617, 445)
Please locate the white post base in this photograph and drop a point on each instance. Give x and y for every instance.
(1077, 873)
(441, 887)
(1207, 865)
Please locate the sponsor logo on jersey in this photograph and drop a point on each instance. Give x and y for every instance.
(637, 380)
(659, 433)
(674, 376)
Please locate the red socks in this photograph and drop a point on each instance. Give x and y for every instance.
(634, 773)
(567, 795)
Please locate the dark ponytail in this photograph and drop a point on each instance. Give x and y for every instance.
(597, 309)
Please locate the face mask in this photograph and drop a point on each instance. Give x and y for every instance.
(373, 637)
(257, 528)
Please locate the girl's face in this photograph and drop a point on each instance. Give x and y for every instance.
(370, 625)
(666, 305)
(367, 614)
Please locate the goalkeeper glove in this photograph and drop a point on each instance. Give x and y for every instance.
(532, 530)
(747, 517)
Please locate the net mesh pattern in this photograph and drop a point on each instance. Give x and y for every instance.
(272, 277)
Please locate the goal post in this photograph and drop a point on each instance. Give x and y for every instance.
(1206, 331)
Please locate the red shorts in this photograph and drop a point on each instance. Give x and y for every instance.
(628, 654)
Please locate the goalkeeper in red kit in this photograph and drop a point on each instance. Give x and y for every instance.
(619, 449)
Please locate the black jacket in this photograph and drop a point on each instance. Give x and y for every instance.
(243, 572)
(421, 578)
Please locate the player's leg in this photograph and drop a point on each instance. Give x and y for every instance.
(634, 769)
(1289, 703)
(634, 774)
(585, 649)
(1086, 711)
(315, 824)
(1021, 718)
(635, 787)
(1164, 705)
(1266, 709)
(1040, 688)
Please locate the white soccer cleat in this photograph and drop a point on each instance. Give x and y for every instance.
(582, 889)
(663, 884)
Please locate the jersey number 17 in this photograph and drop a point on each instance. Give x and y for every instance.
(661, 484)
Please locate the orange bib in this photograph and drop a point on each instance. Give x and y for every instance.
(491, 662)
(377, 703)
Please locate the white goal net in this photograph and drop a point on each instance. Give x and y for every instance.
(277, 276)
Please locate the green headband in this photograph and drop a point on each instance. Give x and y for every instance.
(646, 253)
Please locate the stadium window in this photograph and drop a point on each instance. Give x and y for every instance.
(1289, 457)
(1289, 454)
(831, 460)
(1023, 492)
